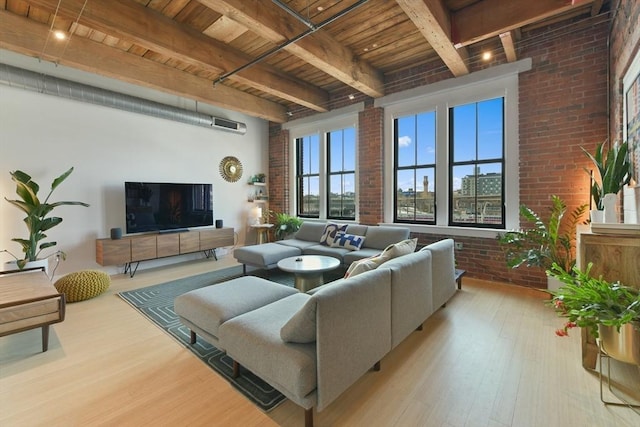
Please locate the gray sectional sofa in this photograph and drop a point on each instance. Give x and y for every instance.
(307, 241)
(313, 346)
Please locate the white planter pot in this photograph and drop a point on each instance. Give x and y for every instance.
(12, 266)
(610, 202)
(596, 216)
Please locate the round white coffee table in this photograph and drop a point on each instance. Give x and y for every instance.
(308, 269)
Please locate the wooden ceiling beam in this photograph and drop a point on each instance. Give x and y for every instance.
(27, 37)
(318, 48)
(152, 30)
(508, 44)
(432, 18)
(490, 18)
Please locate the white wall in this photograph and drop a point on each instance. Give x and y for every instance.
(44, 135)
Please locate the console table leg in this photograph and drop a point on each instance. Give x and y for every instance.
(45, 338)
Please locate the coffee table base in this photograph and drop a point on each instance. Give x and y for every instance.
(307, 281)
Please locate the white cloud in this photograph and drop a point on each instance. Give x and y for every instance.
(404, 141)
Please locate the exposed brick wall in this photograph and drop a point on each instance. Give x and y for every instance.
(371, 164)
(625, 45)
(563, 105)
(278, 177)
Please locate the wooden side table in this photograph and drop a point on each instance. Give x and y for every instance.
(29, 300)
(262, 231)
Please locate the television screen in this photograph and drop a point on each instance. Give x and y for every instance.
(152, 206)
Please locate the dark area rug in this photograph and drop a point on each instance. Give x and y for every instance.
(156, 303)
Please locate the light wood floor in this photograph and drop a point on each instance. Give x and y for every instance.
(490, 358)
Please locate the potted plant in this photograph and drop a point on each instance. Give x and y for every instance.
(614, 172)
(609, 311)
(37, 219)
(547, 243)
(285, 224)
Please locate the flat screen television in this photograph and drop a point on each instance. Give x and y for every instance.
(167, 207)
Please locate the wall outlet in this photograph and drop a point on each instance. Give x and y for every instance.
(458, 245)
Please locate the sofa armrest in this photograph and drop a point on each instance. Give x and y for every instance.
(443, 271)
(353, 331)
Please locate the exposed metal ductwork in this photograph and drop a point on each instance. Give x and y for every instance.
(29, 80)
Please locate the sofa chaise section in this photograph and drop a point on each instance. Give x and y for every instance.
(351, 332)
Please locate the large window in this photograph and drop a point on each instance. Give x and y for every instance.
(449, 161)
(326, 174)
(415, 156)
(308, 176)
(476, 185)
(341, 170)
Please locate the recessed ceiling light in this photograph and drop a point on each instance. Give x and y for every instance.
(320, 8)
(486, 56)
(60, 35)
(352, 96)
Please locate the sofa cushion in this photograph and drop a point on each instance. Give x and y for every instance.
(380, 237)
(357, 229)
(347, 241)
(297, 243)
(353, 256)
(330, 232)
(301, 328)
(310, 231)
(371, 263)
(319, 249)
(253, 340)
(362, 265)
(265, 255)
(398, 249)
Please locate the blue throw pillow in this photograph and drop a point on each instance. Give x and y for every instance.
(330, 231)
(348, 241)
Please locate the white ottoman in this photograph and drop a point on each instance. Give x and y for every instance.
(204, 310)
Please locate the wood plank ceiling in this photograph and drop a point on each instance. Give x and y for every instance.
(267, 58)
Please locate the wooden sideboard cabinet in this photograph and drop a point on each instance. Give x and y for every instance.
(133, 249)
(614, 257)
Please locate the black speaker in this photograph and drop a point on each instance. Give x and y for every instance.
(218, 223)
(116, 233)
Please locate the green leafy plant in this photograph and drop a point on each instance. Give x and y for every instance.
(587, 301)
(285, 224)
(614, 170)
(37, 219)
(545, 243)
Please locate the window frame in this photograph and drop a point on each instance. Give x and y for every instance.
(413, 167)
(499, 81)
(342, 172)
(321, 124)
(476, 163)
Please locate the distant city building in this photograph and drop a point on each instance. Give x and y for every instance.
(485, 184)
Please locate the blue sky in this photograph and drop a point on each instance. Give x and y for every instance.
(417, 145)
(417, 141)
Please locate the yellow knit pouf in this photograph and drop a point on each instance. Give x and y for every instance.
(83, 285)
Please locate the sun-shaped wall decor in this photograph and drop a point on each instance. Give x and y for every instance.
(231, 169)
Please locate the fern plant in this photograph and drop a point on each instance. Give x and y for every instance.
(547, 243)
(285, 224)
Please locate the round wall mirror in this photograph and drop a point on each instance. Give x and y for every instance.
(231, 169)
